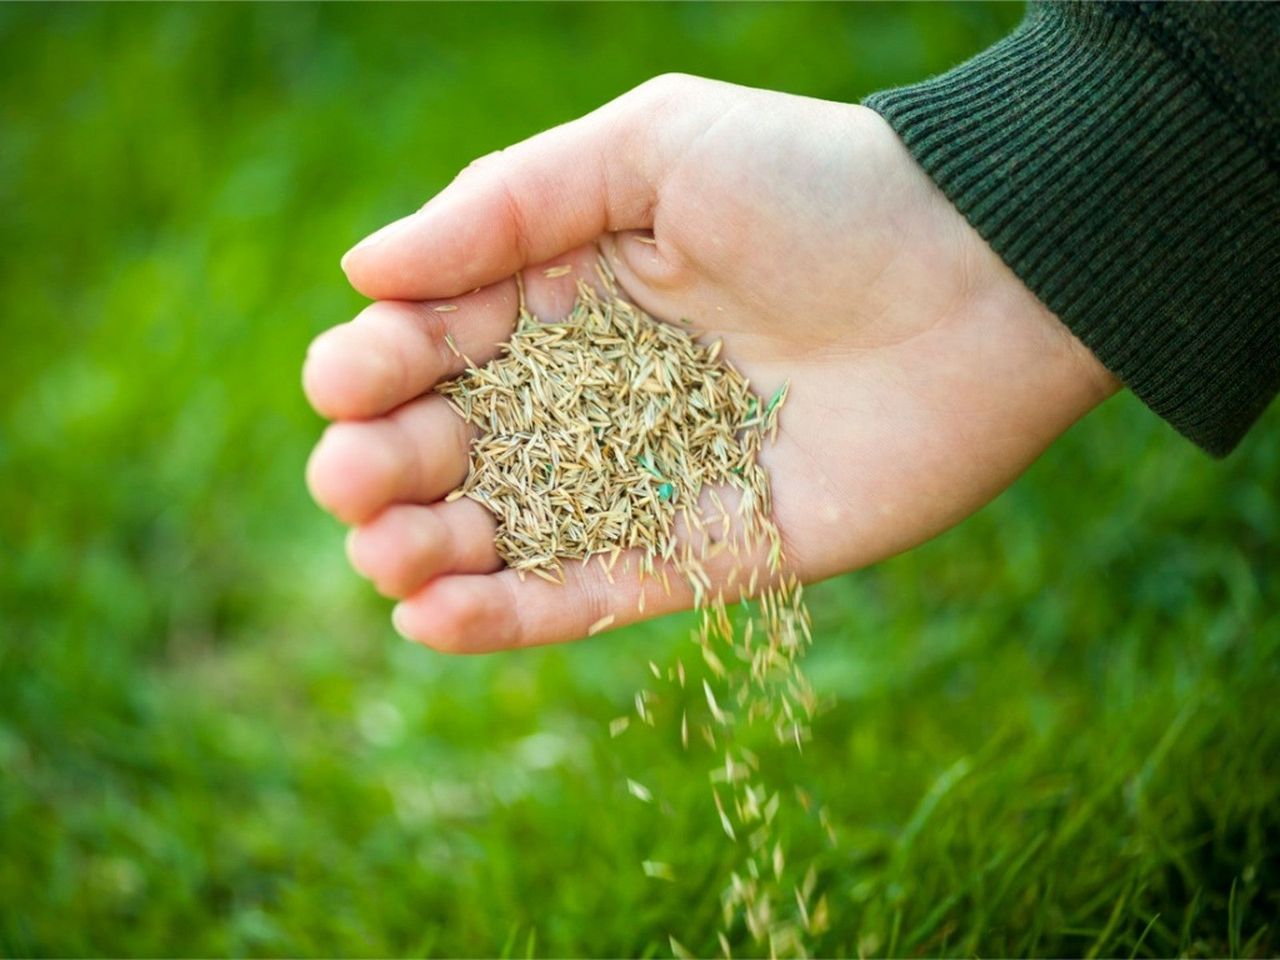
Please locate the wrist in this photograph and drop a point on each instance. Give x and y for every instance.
(1111, 177)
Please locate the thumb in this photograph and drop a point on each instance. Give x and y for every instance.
(523, 205)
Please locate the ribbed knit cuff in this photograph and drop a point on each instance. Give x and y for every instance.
(1108, 180)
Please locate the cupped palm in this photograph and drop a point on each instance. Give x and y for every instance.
(924, 376)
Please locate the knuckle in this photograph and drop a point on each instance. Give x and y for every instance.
(666, 87)
(492, 176)
(484, 161)
(432, 538)
(477, 166)
(384, 365)
(516, 219)
(653, 98)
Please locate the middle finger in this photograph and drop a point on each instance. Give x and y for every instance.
(415, 454)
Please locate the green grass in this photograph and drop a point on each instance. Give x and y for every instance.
(1051, 731)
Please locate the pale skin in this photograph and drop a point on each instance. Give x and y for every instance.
(924, 376)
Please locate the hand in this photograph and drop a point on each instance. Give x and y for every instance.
(925, 377)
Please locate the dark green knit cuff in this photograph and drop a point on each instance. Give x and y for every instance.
(1114, 185)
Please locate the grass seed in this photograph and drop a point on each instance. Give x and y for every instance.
(609, 434)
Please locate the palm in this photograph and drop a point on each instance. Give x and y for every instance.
(924, 376)
(842, 268)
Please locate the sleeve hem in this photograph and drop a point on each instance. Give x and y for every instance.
(1108, 181)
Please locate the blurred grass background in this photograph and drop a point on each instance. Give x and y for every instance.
(1052, 731)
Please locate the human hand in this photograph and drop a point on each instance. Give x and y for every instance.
(924, 376)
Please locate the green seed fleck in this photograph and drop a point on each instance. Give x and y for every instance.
(646, 461)
(777, 398)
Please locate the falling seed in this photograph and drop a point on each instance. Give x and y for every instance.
(820, 920)
(725, 822)
(658, 870)
(642, 709)
(600, 435)
(803, 909)
(716, 712)
(771, 808)
(810, 882)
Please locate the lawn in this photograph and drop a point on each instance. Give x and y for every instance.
(1051, 731)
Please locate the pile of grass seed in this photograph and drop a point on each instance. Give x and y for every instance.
(608, 435)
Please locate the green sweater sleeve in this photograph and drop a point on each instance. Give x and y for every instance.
(1123, 160)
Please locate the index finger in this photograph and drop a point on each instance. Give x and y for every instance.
(396, 350)
(531, 202)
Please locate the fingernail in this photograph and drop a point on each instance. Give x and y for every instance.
(398, 618)
(379, 236)
(349, 542)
